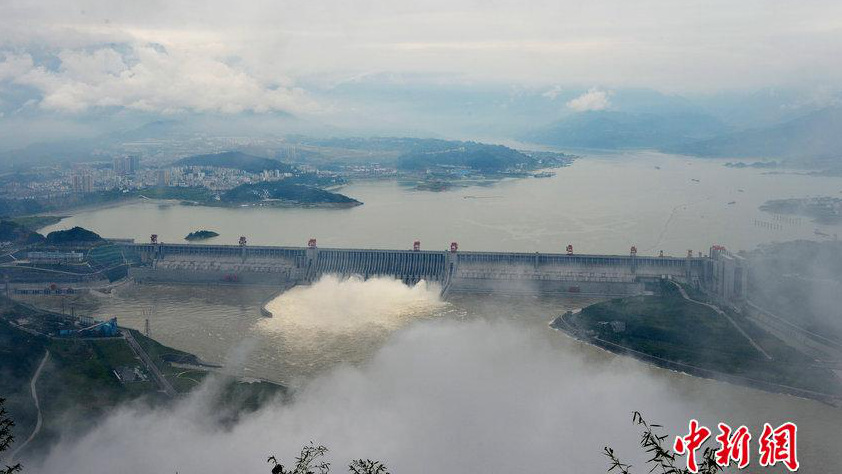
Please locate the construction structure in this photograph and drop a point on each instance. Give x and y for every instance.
(454, 270)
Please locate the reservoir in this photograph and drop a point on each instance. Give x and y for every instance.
(600, 204)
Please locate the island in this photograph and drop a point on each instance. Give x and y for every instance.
(461, 158)
(283, 193)
(201, 235)
(823, 210)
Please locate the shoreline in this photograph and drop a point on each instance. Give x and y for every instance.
(560, 324)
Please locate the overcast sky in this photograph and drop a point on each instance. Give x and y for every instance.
(232, 56)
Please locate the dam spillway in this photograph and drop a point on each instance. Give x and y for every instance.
(455, 271)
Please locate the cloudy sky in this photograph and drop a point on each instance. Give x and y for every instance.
(220, 56)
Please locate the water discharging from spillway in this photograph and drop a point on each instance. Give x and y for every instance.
(329, 318)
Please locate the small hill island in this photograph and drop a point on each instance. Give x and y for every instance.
(284, 193)
(201, 235)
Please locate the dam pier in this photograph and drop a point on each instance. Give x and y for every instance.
(720, 273)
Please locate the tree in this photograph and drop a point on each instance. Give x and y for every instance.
(6, 437)
(367, 466)
(662, 459)
(308, 462)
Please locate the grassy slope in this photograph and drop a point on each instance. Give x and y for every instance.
(79, 379)
(20, 354)
(37, 222)
(669, 327)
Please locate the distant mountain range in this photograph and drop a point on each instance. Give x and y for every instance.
(814, 139)
(610, 129)
(236, 160)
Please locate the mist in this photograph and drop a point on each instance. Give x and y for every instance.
(424, 390)
(342, 320)
(477, 384)
(441, 396)
(334, 304)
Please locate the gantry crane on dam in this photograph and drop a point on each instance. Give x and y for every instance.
(454, 269)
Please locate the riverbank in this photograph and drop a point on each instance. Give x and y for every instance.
(88, 376)
(677, 334)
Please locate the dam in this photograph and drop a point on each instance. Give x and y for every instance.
(454, 270)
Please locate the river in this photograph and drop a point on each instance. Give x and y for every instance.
(599, 204)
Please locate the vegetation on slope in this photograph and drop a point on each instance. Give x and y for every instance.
(476, 156)
(11, 231)
(813, 139)
(823, 210)
(183, 193)
(284, 192)
(668, 327)
(236, 160)
(201, 235)
(74, 235)
(79, 384)
(37, 222)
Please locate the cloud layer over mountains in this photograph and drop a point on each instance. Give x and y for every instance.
(230, 57)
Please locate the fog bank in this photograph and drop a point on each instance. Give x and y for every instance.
(335, 304)
(441, 396)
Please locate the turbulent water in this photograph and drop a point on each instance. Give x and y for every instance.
(464, 364)
(599, 205)
(335, 305)
(339, 320)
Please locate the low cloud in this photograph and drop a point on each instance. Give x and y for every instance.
(441, 396)
(553, 93)
(593, 99)
(149, 78)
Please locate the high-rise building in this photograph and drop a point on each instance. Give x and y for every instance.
(119, 165)
(83, 183)
(124, 165)
(163, 177)
(134, 164)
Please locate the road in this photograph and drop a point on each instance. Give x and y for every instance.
(162, 382)
(726, 316)
(40, 420)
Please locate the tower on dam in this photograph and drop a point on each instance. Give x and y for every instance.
(721, 273)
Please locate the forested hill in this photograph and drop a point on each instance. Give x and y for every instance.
(236, 160)
(74, 235)
(477, 156)
(609, 129)
(811, 139)
(285, 192)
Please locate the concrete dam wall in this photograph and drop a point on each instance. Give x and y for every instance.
(533, 273)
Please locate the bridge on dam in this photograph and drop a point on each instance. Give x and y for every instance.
(454, 270)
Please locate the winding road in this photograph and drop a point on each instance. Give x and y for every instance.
(726, 316)
(37, 405)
